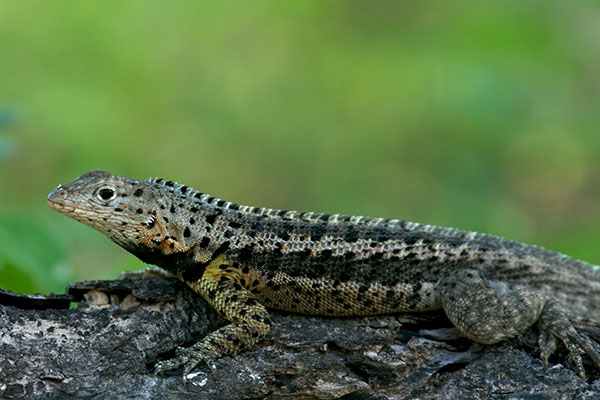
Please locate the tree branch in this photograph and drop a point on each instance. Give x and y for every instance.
(107, 345)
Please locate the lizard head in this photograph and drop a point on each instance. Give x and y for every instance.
(121, 208)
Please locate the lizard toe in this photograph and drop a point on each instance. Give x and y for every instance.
(589, 346)
(181, 358)
(188, 358)
(547, 345)
(591, 327)
(163, 366)
(574, 357)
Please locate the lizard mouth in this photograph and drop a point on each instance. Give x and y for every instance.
(61, 208)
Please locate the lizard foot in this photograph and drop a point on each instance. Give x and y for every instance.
(189, 358)
(578, 335)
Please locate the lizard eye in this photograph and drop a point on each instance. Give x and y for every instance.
(106, 194)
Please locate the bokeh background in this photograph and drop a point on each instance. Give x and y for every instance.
(478, 115)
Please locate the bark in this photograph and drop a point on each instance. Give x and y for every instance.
(101, 339)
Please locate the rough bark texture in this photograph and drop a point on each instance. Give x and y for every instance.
(105, 346)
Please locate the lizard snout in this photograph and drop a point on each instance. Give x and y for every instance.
(56, 197)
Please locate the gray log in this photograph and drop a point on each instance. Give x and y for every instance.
(106, 344)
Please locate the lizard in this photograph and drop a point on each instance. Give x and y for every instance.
(244, 260)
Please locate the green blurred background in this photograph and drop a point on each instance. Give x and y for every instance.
(482, 116)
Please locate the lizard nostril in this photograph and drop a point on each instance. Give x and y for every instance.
(56, 194)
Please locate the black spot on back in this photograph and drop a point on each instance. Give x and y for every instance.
(351, 234)
(316, 232)
(284, 235)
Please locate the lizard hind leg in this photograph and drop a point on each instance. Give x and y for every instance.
(577, 334)
(488, 311)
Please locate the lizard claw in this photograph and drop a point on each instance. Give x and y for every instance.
(574, 357)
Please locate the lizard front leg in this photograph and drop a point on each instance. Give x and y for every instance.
(249, 319)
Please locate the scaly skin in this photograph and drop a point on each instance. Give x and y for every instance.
(243, 260)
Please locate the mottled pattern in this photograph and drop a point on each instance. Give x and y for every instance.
(243, 259)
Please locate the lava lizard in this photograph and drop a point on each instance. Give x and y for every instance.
(244, 259)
